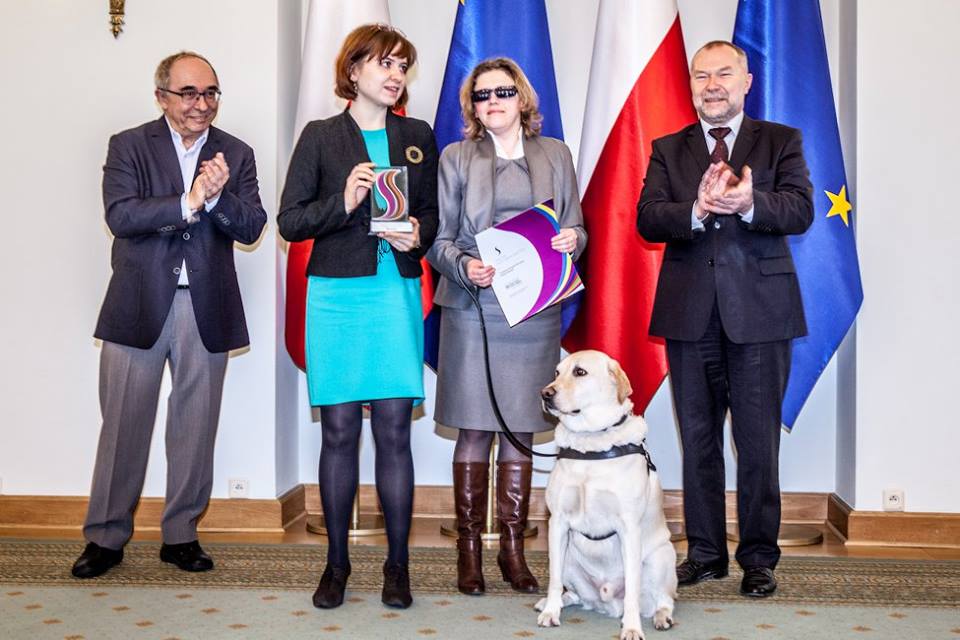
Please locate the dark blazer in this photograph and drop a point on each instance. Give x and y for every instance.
(746, 268)
(312, 203)
(142, 185)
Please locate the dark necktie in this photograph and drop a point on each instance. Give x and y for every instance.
(720, 151)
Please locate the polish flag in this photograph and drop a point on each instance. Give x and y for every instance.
(639, 90)
(328, 23)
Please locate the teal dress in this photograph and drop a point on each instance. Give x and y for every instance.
(364, 335)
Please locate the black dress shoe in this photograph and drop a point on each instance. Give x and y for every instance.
(396, 586)
(95, 561)
(691, 572)
(758, 582)
(188, 556)
(333, 583)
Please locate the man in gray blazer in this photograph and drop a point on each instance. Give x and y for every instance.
(177, 194)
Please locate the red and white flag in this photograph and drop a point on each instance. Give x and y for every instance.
(639, 90)
(328, 23)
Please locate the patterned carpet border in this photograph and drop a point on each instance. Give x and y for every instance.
(833, 581)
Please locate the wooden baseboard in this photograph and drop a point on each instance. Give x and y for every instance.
(437, 502)
(893, 529)
(68, 512)
(272, 516)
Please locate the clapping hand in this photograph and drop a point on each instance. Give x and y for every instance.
(214, 175)
(722, 193)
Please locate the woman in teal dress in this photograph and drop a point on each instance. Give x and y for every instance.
(364, 320)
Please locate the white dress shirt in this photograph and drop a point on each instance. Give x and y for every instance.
(517, 150)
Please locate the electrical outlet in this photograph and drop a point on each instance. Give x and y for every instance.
(893, 500)
(239, 488)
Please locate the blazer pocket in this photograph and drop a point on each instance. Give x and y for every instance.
(779, 264)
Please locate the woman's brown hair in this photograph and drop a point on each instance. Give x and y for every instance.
(365, 43)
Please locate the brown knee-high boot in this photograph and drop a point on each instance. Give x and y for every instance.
(513, 505)
(470, 498)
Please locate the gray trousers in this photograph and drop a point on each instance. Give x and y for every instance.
(129, 393)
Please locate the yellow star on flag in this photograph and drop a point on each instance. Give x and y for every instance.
(840, 205)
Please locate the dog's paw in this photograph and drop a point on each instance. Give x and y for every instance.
(549, 617)
(541, 604)
(631, 634)
(662, 619)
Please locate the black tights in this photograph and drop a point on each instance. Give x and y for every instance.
(340, 425)
(473, 445)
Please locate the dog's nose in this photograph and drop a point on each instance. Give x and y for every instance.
(548, 393)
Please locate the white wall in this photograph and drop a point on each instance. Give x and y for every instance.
(71, 85)
(907, 428)
(76, 86)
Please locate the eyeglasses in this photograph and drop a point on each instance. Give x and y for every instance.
(482, 95)
(190, 95)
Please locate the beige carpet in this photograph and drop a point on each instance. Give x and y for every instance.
(833, 581)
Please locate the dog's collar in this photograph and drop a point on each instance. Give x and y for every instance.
(619, 422)
(613, 452)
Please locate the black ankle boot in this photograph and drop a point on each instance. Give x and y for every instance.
(333, 583)
(396, 586)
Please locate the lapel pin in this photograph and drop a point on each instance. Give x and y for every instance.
(414, 154)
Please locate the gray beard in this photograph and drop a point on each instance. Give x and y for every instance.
(723, 118)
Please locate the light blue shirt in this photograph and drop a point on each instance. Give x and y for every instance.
(188, 167)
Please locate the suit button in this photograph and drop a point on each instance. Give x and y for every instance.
(186, 235)
(716, 224)
(710, 262)
(176, 270)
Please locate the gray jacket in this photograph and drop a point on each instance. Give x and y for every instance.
(466, 200)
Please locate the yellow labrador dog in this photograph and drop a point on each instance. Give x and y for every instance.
(609, 544)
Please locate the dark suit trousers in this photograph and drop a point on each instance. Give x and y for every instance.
(708, 377)
(129, 392)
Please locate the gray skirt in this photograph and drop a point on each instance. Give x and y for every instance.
(522, 361)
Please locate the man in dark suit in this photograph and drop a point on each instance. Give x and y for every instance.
(177, 194)
(728, 304)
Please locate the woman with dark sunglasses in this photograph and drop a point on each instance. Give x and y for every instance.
(503, 167)
(364, 322)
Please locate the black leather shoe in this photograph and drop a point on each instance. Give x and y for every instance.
(188, 556)
(96, 561)
(333, 583)
(690, 572)
(396, 586)
(758, 582)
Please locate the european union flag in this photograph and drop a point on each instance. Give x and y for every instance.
(485, 29)
(791, 84)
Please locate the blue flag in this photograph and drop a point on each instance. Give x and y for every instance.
(485, 29)
(791, 84)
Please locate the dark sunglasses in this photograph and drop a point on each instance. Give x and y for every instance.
(482, 95)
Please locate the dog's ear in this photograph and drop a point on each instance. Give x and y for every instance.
(623, 382)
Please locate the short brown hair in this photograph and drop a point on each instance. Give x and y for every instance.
(530, 118)
(713, 44)
(161, 77)
(365, 43)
